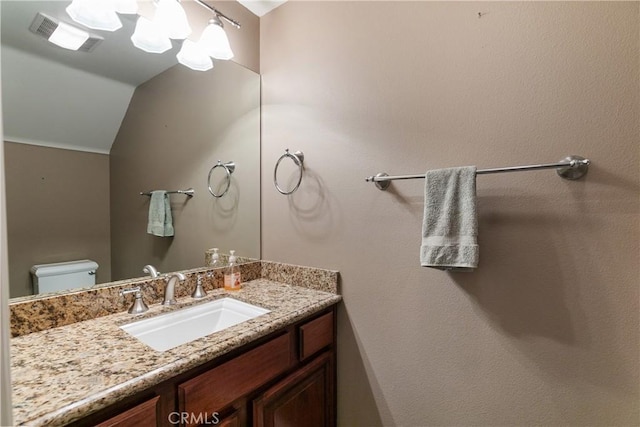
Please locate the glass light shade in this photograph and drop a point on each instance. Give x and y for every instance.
(149, 37)
(68, 36)
(171, 16)
(126, 6)
(215, 42)
(193, 56)
(97, 14)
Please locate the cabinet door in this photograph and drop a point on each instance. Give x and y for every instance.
(217, 388)
(232, 420)
(304, 398)
(142, 415)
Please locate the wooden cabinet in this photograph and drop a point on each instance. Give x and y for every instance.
(284, 379)
(232, 420)
(143, 415)
(215, 389)
(304, 398)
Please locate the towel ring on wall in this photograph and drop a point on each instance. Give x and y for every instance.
(229, 167)
(298, 159)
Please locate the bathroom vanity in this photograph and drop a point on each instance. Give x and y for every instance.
(288, 375)
(278, 367)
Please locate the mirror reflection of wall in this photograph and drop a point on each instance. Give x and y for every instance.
(177, 127)
(80, 147)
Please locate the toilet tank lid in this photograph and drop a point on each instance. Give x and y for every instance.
(43, 270)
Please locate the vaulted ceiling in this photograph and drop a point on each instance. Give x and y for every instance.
(43, 80)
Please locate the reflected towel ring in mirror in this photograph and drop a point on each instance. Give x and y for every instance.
(228, 167)
(298, 159)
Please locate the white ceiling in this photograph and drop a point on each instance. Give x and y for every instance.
(40, 66)
(115, 57)
(47, 103)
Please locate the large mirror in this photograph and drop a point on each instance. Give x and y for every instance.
(86, 132)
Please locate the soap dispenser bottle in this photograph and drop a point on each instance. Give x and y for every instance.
(232, 280)
(215, 259)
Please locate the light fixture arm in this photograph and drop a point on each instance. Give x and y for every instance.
(218, 13)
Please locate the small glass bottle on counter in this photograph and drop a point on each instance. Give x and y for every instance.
(232, 279)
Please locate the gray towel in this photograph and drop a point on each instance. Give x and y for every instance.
(450, 224)
(160, 220)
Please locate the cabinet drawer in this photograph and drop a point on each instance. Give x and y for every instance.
(142, 415)
(315, 335)
(215, 389)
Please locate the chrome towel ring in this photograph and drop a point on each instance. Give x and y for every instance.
(298, 159)
(229, 167)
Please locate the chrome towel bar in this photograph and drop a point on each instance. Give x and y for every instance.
(189, 192)
(571, 167)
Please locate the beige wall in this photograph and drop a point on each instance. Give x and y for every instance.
(545, 332)
(176, 128)
(57, 210)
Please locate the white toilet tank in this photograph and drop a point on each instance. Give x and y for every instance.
(63, 275)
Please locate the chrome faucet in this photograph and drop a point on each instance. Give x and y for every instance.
(169, 289)
(151, 270)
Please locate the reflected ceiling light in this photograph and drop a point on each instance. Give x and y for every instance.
(169, 22)
(171, 16)
(150, 37)
(218, 14)
(63, 34)
(125, 6)
(96, 14)
(68, 36)
(214, 40)
(193, 56)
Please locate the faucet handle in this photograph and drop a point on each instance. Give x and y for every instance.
(198, 292)
(138, 305)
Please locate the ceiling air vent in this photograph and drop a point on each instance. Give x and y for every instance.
(44, 26)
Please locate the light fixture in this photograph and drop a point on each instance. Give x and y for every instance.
(193, 56)
(96, 14)
(125, 6)
(169, 22)
(214, 40)
(171, 16)
(63, 34)
(150, 37)
(68, 36)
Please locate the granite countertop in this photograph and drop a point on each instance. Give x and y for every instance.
(62, 374)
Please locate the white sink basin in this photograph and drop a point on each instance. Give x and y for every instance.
(170, 330)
